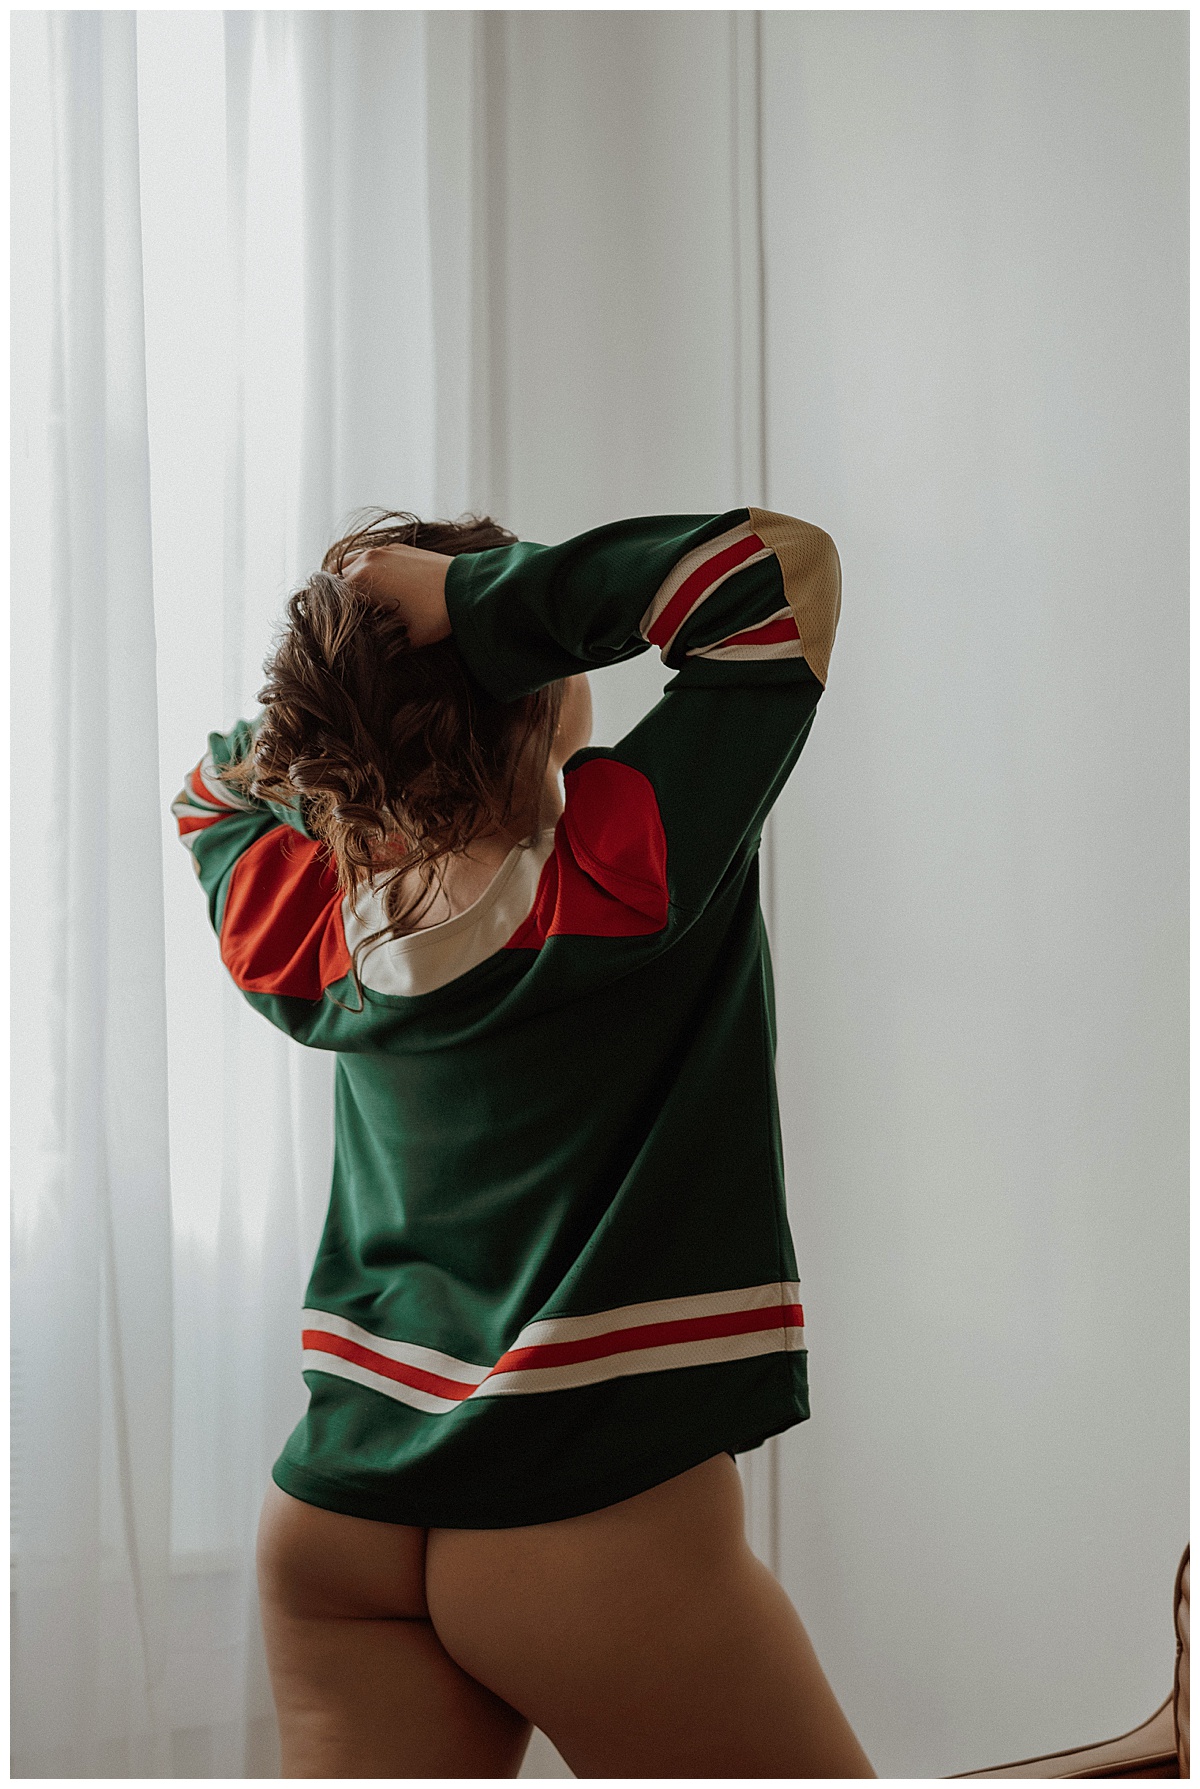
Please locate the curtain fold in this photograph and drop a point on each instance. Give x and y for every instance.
(229, 300)
(91, 1308)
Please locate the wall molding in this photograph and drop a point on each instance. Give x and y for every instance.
(750, 470)
(488, 458)
(760, 1470)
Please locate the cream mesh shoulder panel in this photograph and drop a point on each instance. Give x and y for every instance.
(812, 580)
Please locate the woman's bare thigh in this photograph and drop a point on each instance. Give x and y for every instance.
(645, 1639)
(363, 1686)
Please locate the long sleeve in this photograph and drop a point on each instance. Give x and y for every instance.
(217, 823)
(272, 895)
(743, 605)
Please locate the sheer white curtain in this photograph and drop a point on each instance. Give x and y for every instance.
(91, 1306)
(226, 277)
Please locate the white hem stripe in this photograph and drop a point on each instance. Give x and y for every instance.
(662, 1310)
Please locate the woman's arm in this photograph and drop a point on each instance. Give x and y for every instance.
(746, 584)
(742, 605)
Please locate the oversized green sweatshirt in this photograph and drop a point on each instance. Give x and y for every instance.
(556, 1268)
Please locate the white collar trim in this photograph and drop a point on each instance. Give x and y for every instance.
(418, 962)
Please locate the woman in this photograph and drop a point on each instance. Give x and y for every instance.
(556, 1291)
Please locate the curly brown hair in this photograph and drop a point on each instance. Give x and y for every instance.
(399, 757)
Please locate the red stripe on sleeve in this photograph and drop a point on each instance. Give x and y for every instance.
(767, 635)
(202, 792)
(693, 587)
(196, 822)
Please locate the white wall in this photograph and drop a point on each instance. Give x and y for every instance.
(977, 342)
(616, 283)
(976, 367)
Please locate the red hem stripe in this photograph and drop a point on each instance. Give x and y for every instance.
(559, 1354)
(196, 822)
(321, 1342)
(650, 1335)
(694, 586)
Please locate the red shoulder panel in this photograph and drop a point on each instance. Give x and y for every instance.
(607, 874)
(281, 932)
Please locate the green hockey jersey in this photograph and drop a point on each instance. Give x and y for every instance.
(556, 1267)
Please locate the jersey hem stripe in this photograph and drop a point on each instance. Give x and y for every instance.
(556, 1353)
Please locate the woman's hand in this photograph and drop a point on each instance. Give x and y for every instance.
(408, 579)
